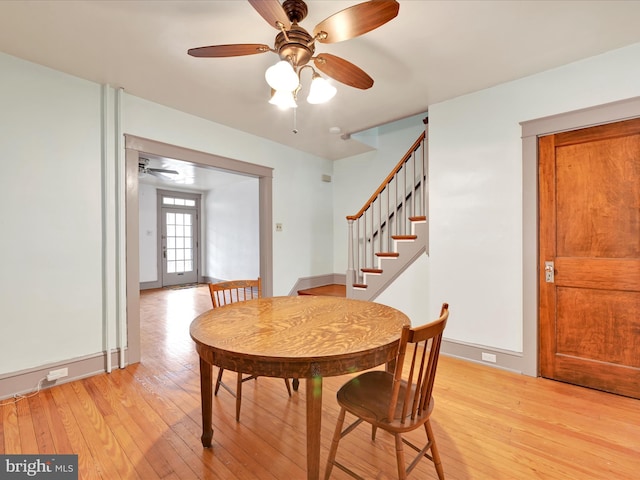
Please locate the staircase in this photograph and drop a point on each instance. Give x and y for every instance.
(390, 231)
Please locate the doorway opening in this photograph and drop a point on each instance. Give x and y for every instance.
(137, 148)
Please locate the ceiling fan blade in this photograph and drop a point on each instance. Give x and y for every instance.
(272, 12)
(163, 170)
(235, 50)
(341, 70)
(156, 174)
(356, 20)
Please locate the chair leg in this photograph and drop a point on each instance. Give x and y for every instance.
(218, 381)
(434, 450)
(334, 444)
(374, 429)
(286, 382)
(402, 472)
(238, 396)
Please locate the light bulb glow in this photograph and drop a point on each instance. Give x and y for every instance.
(281, 76)
(321, 90)
(283, 100)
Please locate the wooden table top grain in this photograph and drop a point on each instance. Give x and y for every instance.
(304, 336)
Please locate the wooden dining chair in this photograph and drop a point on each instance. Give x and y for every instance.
(224, 293)
(395, 402)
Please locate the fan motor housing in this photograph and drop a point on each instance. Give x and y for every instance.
(296, 46)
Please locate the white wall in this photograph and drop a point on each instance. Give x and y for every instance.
(51, 210)
(231, 232)
(476, 206)
(148, 233)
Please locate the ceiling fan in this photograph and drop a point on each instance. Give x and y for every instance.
(296, 47)
(143, 167)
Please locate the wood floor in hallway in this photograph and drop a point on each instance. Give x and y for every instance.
(143, 422)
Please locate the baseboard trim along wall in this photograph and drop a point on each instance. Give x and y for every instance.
(24, 382)
(150, 285)
(504, 359)
(318, 281)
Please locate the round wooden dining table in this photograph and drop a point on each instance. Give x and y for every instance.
(308, 337)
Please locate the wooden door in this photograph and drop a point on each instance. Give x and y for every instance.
(589, 316)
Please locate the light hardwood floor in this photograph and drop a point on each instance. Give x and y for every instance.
(143, 422)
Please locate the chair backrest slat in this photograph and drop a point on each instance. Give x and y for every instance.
(223, 293)
(425, 342)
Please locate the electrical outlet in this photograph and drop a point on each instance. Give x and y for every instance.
(56, 374)
(488, 357)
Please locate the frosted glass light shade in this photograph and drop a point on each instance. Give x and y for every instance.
(281, 76)
(321, 90)
(283, 100)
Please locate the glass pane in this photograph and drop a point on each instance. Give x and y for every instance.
(171, 231)
(171, 218)
(180, 231)
(188, 266)
(179, 254)
(190, 203)
(171, 242)
(171, 267)
(187, 242)
(187, 254)
(171, 254)
(179, 219)
(179, 201)
(179, 242)
(179, 266)
(187, 219)
(167, 201)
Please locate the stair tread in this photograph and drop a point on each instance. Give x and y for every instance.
(333, 290)
(404, 237)
(387, 254)
(371, 270)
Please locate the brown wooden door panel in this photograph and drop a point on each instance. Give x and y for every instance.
(589, 193)
(614, 274)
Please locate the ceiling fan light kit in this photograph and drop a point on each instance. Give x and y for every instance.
(281, 76)
(320, 91)
(296, 47)
(283, 99)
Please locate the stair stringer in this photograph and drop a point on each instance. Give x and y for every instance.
(408, 252)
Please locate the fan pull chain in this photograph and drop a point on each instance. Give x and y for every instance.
(295, 120)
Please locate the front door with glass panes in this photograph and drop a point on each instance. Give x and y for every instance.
(179, 239)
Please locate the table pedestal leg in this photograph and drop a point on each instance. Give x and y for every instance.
(314, 417)
(206, 392)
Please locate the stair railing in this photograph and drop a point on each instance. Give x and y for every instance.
(400, 199)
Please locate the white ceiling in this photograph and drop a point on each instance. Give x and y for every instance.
(433, 51)
(190, 177)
